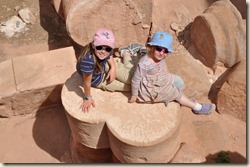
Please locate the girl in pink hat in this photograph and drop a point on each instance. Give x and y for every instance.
(152, 83)
(98, 68)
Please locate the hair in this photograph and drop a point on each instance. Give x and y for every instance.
(87, 50)
(150, 49)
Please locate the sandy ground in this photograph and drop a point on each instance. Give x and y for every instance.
(47, 33)
(43, 137)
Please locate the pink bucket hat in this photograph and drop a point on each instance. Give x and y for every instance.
(104, 37)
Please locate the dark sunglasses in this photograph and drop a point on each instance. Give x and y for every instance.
(159, 49)
(107, 49)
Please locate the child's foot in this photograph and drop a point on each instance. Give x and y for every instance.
(206, 109)
(143, 51)
(132, 48)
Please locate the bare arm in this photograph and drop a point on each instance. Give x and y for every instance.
(86, 104)
(135, 84)
(87, 84)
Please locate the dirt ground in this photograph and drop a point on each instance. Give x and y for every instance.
(29, 138)
(47, 33)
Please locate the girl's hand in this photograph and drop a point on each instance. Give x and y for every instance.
(111, 75)
(112, 70)
(132, 99)
(86, 104)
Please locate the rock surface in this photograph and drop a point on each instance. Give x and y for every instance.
(134, 132)
(132, 16)
(217, 39)
(231, 98)
(34, 81)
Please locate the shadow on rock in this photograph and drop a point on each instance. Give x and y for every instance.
(54, 25)
(215, 88)
(226, 157)
(51, 132)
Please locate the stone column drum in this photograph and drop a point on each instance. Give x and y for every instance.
(117, 131)
(218, 34)
(130, 20)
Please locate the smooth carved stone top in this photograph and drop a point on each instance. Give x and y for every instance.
(135, 124)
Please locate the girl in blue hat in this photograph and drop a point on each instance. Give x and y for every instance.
(152, 83)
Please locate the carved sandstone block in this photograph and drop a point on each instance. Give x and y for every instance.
(135, 133)
(129, 19)
(218, 34)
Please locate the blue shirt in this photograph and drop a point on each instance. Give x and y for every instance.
(87, 66)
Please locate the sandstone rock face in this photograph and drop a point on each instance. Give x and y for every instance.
(7, 82)
(178, 11)
(33, 81)
(241, 5)
(27, 102)
(196, 81)
(129, 19)
(58, 7)
(231, 98)
(218, 34)
(83, 154)
(188, 155)
(135, 132)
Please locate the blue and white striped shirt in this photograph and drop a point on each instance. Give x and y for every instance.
(87, 66)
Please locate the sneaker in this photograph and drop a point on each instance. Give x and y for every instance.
(206, 109)
(132, 48)
(143, 51)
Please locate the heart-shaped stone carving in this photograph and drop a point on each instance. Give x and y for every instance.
(134, 132)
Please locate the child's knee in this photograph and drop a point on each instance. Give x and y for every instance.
(115, 86)
(105, 86)
(179, 83)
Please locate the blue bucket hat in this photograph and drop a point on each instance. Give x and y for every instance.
(162, 39)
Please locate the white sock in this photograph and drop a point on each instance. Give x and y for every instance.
(197, 107)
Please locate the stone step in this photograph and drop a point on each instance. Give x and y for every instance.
(31, 81)
(135, 133)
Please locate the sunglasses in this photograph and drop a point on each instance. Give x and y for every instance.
(159, 49)
(107, 49)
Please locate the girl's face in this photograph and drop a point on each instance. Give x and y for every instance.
(102, 51)
(159, 53)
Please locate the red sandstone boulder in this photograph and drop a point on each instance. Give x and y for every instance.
(218, 34)
(196, 80)
(129, 19)
(231, 98)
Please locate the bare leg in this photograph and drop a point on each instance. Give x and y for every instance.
(196, 107)
(186, 102)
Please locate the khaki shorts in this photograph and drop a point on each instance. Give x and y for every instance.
(124, 70)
